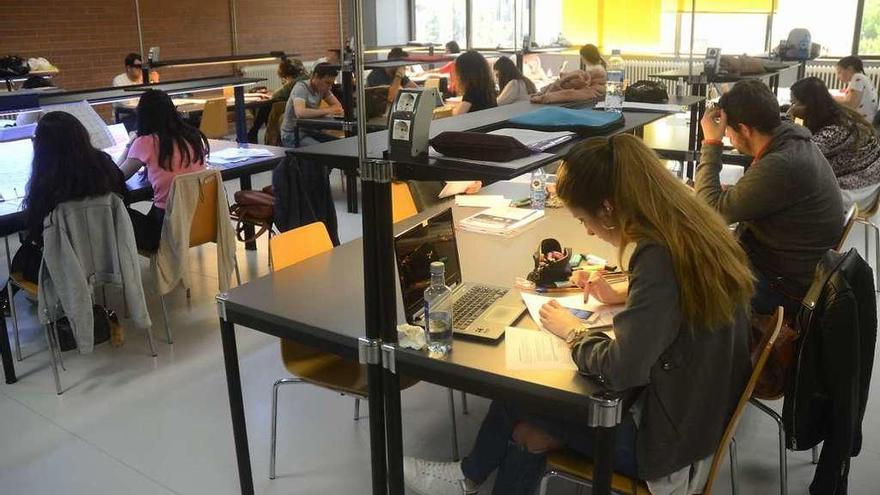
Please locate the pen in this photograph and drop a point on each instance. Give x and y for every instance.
(550, 290)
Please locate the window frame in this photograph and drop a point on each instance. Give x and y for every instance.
(857, 28)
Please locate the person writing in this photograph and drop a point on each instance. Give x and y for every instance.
(514, 85)
(305, 103)
(166, 146)
(475, 83)
(860, 93)
(290, 71)
(847, 140)
(788, 204)
(681, 340)
(393, 77)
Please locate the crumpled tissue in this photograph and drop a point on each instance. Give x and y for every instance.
(411, 336)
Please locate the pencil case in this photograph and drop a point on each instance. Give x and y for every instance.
(551, 264)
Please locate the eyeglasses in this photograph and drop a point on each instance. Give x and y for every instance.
(137, 66)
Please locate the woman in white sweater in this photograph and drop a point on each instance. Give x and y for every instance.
(513, 84)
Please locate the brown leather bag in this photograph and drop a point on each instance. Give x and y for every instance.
(771, 384)
(741, 65)
(254, 208)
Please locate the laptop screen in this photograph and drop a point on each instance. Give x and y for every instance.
(415, 249)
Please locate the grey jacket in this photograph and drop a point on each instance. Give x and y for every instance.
(691, 377)
(788, 204)
(90, 257)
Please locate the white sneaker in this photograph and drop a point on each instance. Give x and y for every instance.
(436, 478)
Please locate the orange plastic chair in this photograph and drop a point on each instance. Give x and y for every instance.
(307, 364)
(214, 124)
(578, 469)
(403, 205)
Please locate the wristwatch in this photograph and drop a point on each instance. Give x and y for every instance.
(575, 335)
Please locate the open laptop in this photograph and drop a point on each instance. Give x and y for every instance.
(479, 311)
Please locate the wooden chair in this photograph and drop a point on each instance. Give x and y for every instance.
(310, 365)
(403, 205)
(578, 469)
(850, 218)
(864, 218)
(273, 125)
(202, 230)
(214, 124)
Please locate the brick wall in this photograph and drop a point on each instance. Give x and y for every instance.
(88, 39)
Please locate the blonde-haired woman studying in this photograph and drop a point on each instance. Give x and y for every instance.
(681, 340)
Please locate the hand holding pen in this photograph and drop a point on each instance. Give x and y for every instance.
(603, 286)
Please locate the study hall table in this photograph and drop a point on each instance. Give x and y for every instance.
(12, 216)
(307, 302)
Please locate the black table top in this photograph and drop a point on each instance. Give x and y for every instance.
(320, 302)
(343, 153)
(699, 77)
(139, 188)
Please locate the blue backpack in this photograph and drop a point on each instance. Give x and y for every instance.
(585, 122)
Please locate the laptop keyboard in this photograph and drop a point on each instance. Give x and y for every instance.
(473, 303)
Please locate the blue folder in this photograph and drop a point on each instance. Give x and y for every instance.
(585, 122)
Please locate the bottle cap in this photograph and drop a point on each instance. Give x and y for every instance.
(615, 52)
(437, 267)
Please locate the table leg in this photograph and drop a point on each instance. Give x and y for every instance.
(236, 407)
(240, 121)
(6, 351)
(603, 456)
(244, 183)
(351, 190)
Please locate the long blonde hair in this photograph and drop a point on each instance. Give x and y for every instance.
(650, 204)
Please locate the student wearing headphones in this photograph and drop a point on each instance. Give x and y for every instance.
(682, 338)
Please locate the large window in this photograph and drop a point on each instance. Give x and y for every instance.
(715, 30)
(494, 22)
(831, 26)
(439, 22)
(869, 41)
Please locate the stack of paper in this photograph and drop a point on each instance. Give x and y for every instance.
(603, 315)
(646, 107)
(501, 220)
(234, 155)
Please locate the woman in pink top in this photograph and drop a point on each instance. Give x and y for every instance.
(165, 147)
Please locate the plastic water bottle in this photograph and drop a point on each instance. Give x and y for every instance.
(680, 88)
(438, 311)
(538, 189)
(614, 85)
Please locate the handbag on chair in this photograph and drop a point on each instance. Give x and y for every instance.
(253, 208)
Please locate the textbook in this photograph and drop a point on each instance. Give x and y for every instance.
(501, 220)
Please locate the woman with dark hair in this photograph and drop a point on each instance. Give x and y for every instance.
(847, 140)
(65, 167)
(452, 47)
(591, 56)
(290, 71)
(860, 92)
(167, 147)
(475, 83)
(513, 84)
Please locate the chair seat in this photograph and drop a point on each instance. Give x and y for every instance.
(328, 370)
(25, 285)
(574, 464)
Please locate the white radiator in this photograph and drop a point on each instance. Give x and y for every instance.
(826, 72)
(638, 69)
(267, 71)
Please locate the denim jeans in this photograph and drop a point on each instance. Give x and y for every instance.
(767, 297)
(520, 471)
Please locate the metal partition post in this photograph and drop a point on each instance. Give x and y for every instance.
(240, 121)
(374, 204)
(605, 415)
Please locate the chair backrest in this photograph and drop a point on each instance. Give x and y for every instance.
(295, 245)
(228, 92)
(273, 125)
(214, 124)
(403, 205)
(432, 82)
(772, 331)
(849, 219)
(203, 228)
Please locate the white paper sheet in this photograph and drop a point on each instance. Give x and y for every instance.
(453, 187)
(232, 155)
(604, 315)
(513, 164)
(481, 201)
(533, 350)
(537, 140)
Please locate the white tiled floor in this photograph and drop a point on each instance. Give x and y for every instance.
(128, 423)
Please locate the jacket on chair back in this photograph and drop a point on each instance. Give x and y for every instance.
(828, 387)
(90, 257)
